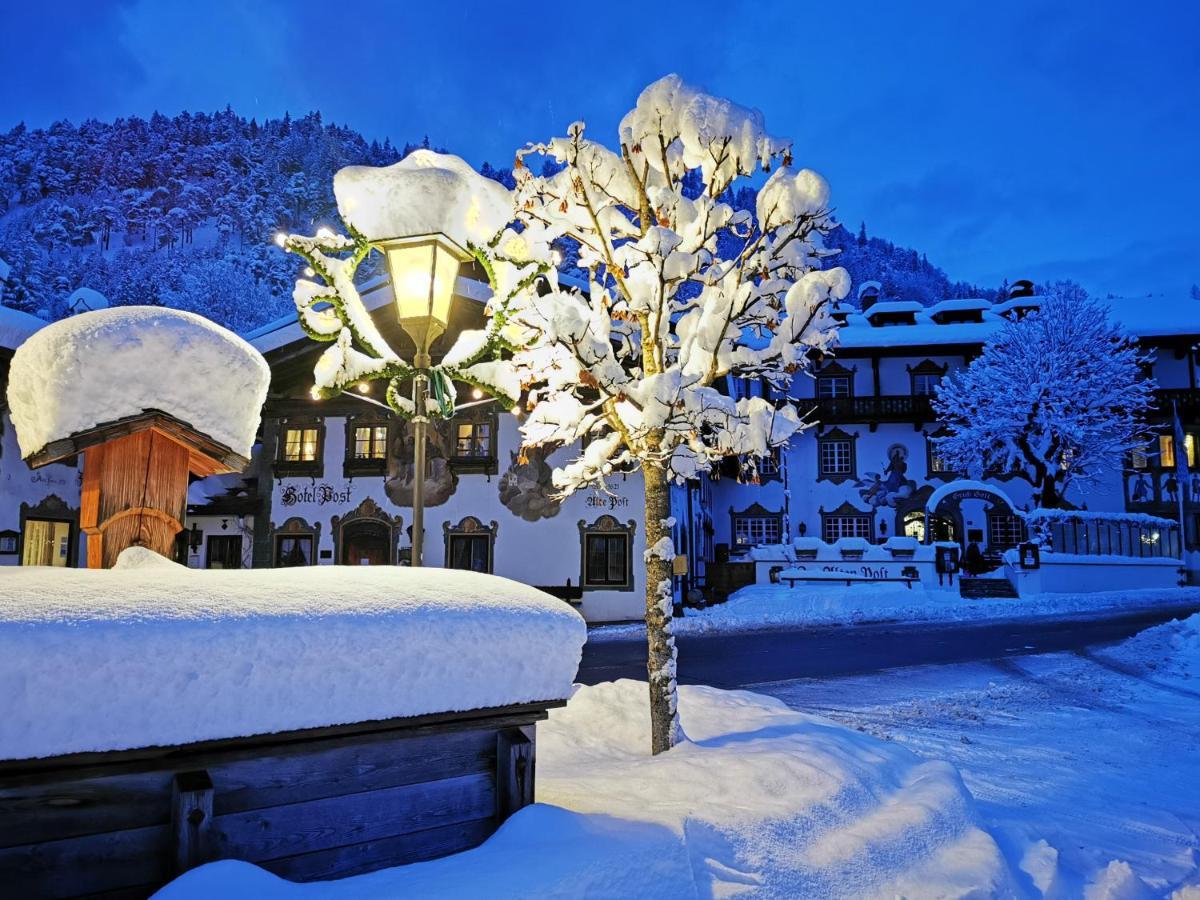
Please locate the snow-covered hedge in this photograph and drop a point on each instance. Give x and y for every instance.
(151, 653)
(1084, 515)
(102, 366)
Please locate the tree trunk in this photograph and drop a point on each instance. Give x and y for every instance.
(1049, 497)
(660, 665)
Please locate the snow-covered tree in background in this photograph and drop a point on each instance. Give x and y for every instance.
(683, 292)
(1057, 398)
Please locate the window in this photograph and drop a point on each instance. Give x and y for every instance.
(473, 439)
(1166, 449)
(925, 385)
(831, 387)
(936, 464)
(47, 543)
(224, 551)
(835, 456)
(1139, 458)
(293, 550)
(914, 525)
(1004, 530)
(768, 465)
(471, 552)
(300, 445)
(370, 442)
(925, 377)
(749, 531)
(607, 559)
(9, 540)
(606, 554)
(840, 526)
(470, 545)
(473, 433)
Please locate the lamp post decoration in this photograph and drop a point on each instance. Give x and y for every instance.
(427, 214)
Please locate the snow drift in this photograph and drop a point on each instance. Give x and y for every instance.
(151, 653)
(106, 365)
(762, 799)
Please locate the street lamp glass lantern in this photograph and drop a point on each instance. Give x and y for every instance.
(423, 271)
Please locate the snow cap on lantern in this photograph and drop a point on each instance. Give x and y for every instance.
(112, 364)
(425, 193)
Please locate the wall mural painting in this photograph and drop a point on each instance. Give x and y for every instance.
(890, 486)
(526, 487)
(440, 479)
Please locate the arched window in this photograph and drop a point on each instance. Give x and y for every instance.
(470, 545)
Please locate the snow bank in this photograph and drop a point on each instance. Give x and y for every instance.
(424, 193)
(1169, 652)
(106, 365)
(762, 799)
(152, 653)
(764, 606)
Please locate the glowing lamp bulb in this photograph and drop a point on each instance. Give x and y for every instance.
(364, 388)
(477, 394)
(309, 273)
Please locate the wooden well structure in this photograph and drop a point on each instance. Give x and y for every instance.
(135, 480)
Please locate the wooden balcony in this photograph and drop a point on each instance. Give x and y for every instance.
(870, 410)
(1186, 400)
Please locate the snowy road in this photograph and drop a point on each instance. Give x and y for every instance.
(741, 659)
(1078, 749)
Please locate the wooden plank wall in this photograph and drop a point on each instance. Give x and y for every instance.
(134, 490)
(306, 810)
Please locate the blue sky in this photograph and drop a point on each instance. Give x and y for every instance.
(1013, 139)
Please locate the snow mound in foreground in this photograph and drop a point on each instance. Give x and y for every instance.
(106, 365)
(1170, 651)
(762, 800)
(152, 653)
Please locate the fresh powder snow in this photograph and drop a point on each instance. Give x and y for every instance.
(759, 798)
(102, 366)
(151, 653)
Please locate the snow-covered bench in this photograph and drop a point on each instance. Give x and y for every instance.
(318, 721)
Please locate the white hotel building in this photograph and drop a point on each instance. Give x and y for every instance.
(331, 481)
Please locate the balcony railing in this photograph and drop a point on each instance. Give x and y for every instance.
(1187, 400)
(887, 408)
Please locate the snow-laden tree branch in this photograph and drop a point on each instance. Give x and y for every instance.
(683, 292)
(1057, 398)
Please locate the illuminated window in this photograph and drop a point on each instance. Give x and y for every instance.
(300, 444)
(1166, 449)
(914, 525)
(370, 442)
(473, 439)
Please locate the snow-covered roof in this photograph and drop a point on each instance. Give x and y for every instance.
(175, 655)
(16, 326)
(375, 294)
(103, 366)
(1149, 317)
(884, 307)
(966, 304)
(859, 333)
(86, 299)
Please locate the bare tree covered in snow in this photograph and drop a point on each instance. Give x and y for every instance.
(683, 291)
(1056, 398)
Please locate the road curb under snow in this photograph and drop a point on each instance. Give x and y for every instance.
(1173, 603)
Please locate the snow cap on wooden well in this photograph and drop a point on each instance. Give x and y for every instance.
(113, 364)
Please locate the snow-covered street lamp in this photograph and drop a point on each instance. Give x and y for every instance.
(423, 270)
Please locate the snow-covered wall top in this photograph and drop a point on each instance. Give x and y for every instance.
(150, 653)
(101, 366)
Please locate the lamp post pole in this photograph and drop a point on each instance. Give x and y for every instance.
(420, 428)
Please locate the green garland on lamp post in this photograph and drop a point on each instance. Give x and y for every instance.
(330, 310)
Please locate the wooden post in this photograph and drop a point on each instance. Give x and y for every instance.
(191, 819)
(514, 770)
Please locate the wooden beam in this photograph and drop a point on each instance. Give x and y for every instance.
(514, 770)
(191, 819)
